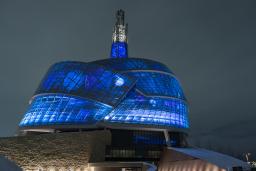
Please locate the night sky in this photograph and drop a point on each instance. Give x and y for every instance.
(209, 45)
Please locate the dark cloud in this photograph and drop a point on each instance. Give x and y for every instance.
(210, 45)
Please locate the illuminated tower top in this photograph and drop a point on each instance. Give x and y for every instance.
(119, 48)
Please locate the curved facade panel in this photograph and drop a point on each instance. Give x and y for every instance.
(58, 109)
(157, 84)
(121, 90)
(137, 109)
(86, 80)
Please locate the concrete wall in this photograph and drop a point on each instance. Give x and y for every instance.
(60, 151)
(175, 161)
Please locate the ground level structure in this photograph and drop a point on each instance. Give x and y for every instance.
(64, 151)
(83, 151)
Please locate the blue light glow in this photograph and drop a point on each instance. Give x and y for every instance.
(153, 102)
(125, 90)
(158, 84)
(137, 109)
(138, 139)
(90, 81)
(119, 81)
(128, 64)
(119, 50)
(73, 80)
(63, 109)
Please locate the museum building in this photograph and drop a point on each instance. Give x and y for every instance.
(120, 113)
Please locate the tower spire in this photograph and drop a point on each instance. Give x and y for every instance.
(119, 48)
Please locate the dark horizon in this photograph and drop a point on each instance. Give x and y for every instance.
(210, 46)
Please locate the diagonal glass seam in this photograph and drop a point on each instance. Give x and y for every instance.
(71, 95)
(164, 97)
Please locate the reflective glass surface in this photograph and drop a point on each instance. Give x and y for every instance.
(158, 84)
(119, 50)
(128, 90)
(138, 109)
(63, 109)
(126, 64)
(86, 80)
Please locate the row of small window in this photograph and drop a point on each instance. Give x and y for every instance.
(145, 118)
(149, 110)
(136, 111)
(152, 121)
(127, 153)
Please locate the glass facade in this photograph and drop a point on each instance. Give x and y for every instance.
(63, 109)
(123, 90)
(129, 64)
(134, 145)
(158, 84)
(137, 109)
(119, 50)
(87, 80)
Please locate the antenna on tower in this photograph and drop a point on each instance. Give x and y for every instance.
(119, 48)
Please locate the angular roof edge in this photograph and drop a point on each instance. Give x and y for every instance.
(222, 160)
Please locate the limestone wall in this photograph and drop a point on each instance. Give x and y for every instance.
(175, 161)
(59, 151)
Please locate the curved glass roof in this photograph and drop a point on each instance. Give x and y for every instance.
(123, 90)
(86, 80)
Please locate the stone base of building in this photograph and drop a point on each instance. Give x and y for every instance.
(57, 151)
(109, 150)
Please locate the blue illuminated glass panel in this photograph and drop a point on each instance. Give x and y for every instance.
(87, 80)
(137, 109)
(158, 84)
(63, 109)
(121, 90)
(119, 50)
(126, 64)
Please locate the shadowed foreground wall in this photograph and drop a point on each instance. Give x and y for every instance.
(56, 151)
(175, 161)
